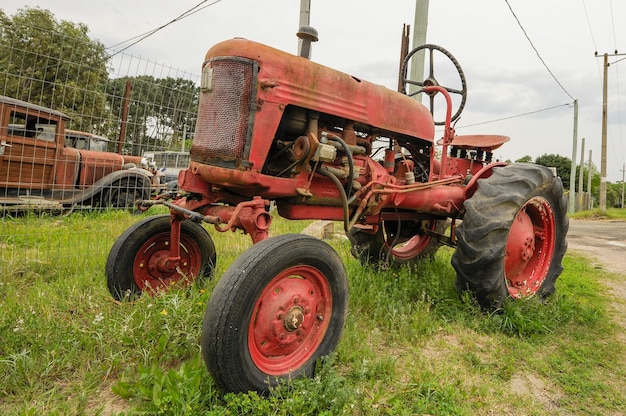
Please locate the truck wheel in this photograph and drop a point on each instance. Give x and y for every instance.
(396, 242)
(135, 262)
(512, 238)
(125, 192)
(277, 309)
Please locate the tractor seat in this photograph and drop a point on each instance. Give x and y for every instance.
(486, 142)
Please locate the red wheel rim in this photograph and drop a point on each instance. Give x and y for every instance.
(408, 249)
(289, 320)
(529, 248)
(153, 272)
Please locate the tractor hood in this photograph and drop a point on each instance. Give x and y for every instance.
(286, 79)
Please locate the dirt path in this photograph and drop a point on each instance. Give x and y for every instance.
(604, 243)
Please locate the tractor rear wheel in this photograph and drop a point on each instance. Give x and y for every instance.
(512, 238)
(396, 242)
(137, 259)
(278, 308)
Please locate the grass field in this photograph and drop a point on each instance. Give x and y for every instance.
(410, 344)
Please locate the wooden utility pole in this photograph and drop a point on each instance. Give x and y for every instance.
(604, 128)
(580, 175)
(623, 170)
(125, 105)
(603, 148)
(572, 176)
(404, 51)
(589, 175)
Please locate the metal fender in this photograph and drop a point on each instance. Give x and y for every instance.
(485, 172)
(144, 175)
(141, 174)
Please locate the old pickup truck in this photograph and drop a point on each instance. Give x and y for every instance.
(38, 170)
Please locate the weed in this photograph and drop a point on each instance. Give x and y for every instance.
(411, 344)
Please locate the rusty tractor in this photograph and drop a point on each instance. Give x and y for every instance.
(278, 128)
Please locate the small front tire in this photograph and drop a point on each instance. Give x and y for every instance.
(277, 309)
(134, 262)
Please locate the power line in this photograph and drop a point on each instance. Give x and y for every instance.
(152, 32)
(516, 116)
(593, 40)
(619, 106)
(537, 52)
(613, 25)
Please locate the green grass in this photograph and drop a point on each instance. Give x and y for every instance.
(410, 344)
(611, 213)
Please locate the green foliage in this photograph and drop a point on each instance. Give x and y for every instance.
(524, 159)
(54, 64)
(161, 107)
(562, 164)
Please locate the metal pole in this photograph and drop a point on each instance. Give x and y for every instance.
(305, 19)
(420, 28)
(572, 175)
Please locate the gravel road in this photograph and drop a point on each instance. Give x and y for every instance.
(603, 241)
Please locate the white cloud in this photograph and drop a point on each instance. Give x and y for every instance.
(505, 75)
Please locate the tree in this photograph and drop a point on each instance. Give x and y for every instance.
(54, 64)
(614, 195)
(562, 164)
(524, 159)
(160, 110)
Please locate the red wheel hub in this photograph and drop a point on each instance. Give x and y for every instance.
(410, 248)
(154, 271)
(289, 320)
(529, 248)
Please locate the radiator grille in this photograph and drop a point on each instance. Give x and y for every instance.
(223, 128)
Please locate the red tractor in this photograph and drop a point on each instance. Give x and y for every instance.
(274, 127)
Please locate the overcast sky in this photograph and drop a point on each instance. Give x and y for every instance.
(505, 76)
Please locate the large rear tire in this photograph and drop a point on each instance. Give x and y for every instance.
(512, 238)
(396, 243)
(278, 308)
(135, 261)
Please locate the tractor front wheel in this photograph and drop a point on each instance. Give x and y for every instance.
(512, 238)
(138, 260)
(278, 308)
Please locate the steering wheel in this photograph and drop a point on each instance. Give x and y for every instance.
(431, 80)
